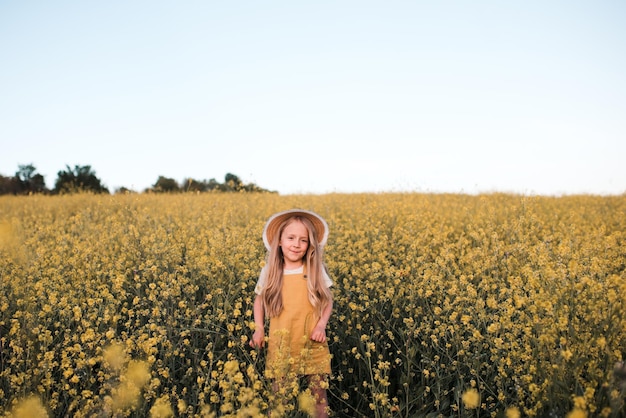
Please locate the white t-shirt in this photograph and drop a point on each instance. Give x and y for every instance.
(260, 284)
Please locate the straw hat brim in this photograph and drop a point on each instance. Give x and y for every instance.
(272, 225)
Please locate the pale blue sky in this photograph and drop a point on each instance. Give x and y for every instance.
(319, 96)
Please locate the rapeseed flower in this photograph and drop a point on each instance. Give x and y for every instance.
(30, 407)
(430, 290)
(115, 356)
(576, 413)
(162, 408)
(306, 403)
(471, 399)
(512, 412)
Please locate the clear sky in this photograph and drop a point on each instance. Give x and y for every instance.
(319, 96)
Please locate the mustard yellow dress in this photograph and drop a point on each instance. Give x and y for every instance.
(290, 348)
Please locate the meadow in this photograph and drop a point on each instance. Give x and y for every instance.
(446, 305)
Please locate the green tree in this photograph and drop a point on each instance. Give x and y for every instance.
(213, 185)
(194, 186)
(9, 185)
(165, 185)
(80, 179)
(233, 183)
(29, 180)
(124, 190)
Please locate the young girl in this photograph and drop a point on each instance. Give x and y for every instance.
(293, 291)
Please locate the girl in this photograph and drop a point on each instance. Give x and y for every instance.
(293, 291)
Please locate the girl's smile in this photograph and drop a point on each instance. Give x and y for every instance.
(294, 241)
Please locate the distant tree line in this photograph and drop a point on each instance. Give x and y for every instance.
(81, 179)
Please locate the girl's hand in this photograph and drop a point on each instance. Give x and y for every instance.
(319, 334)
(258, 339)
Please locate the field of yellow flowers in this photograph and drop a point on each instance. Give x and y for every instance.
(445, 305)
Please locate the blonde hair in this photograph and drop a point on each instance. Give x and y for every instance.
(319, 294)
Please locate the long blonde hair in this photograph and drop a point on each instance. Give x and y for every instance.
(319, 294)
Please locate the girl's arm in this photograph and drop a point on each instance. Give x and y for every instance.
(319, 332)
(258, 338)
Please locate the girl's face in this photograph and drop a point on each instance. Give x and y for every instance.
(294, 241)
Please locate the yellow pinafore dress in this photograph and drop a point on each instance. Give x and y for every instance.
(290, 348)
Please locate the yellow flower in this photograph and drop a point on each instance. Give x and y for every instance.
(512, 412)
(125, 396)
(114, 356)
(138, 373)
(231, 367)
(471, 399)
(181, 406)
(135, 269)
(493, 328)
(306, 403)
(30, 408)
(580, 402)
(162, 408)
(577, 413)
